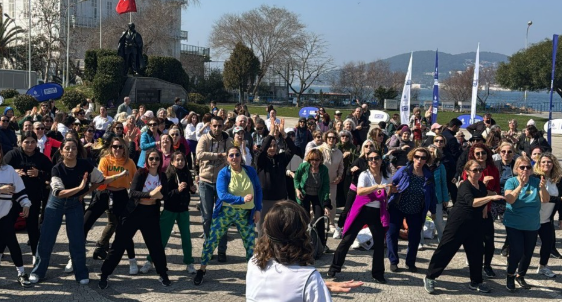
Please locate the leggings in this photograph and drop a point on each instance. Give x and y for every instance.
(546, 232)
(521, 246)
(348, 203)
(8, 235)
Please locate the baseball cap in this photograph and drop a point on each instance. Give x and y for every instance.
(237, 129)
(435, 126)
(338, 112)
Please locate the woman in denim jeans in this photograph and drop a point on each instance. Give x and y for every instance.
(70, 183)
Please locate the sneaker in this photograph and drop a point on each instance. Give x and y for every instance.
(133, 267)
(33, 278)
(146, 267)
(199, 277)
(23, 279)
(68, 268)
(337, 233)
(510, 283)
(102, 284)
(483, 288)
(222, 257)
(412, 268)
(191, 269)
(522, 283)
(34, 259)
(331, 274)
(327, 250)
(421, 247)
(429, 285)
(165, 281)
(85, 281)
(489, 272)
(555, 254)
(545, 270)
(505, 251)
(394, 268)
(379, 280)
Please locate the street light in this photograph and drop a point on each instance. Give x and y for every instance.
(526, 46)
(29, 46)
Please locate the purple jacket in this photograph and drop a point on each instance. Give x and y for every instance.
(362, 200)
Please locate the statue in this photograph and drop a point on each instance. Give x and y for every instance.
(130, 48)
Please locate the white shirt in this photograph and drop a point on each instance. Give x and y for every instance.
(41, 143)
(8, 176)
(268, 123)
(287, 283)
(101, 123)
(190, 132)
(548, 207)
(366, 179)
(198, 134)
(62, 129)
(174, 120)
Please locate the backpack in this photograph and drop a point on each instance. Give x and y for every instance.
(317, 246)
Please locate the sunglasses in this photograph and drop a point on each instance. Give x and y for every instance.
(90, 130)
(482, 153)
(311, 124)
(259, 129)
(375, 158)
(40, 128)
(420, 157)
(477, 170)
(368, 146)
(174, 134)
(152, 124)
(318, 136)
(234, 155)
(5, 121)
(438, 141)
(116, 146)
(154, 158)
(118, 128)
(506, 151)
(523, 168)
(330, 137)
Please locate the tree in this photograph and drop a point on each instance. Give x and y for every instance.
(46, 20)
(383, 93)
(211, 87)
(269, 32)
(352, 79)
(458, 87)
(241, 69)
(531, 69)
(8, 41)
(305, 63)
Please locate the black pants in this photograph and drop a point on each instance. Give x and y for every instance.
(8, 235)
(459, 232)
(145, 218)
(546, 232)
(99, 204)
(348, 203)
(371, 217)
(489, 248)
(318, 210)
(521, 247)
(291, 195)
(450, 185)
(32, 224)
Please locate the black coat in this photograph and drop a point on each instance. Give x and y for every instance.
(271, 170)
(136, 193)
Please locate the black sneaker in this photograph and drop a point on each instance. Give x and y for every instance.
(99, 253)
(222, 257)
(165, 281)
(394, 268)
(555, 255)
(199, 277)
(102, 284)
(331, 274)
(379, 280)
(23, 279)
(483, 288)
(412, 268)
(489, 272)
(505, 251)
(327, 250)
(510, 283)
(521, 281)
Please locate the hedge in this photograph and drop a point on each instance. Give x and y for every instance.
(91, 61)
(9, 93)
(72, 98)
(168, 69)
(108, 80)
(24, 102)
(199, 109)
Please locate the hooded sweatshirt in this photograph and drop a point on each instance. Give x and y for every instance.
(19, 160)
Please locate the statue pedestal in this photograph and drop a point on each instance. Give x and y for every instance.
(145, 90)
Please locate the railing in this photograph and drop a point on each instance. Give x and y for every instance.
(196, 50)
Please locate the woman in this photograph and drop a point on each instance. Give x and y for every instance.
(464, 227)
(533, 138)
(166, 148)
(377, 136)
(70, 183)
(132, 132)
(350, 153)
(490, 177)
(316, 141)
(324, 124)
(46, 145)
(114, 160)
(418, 124)
(102, 122)
(536, 153)
(285, 257)
(178, 142)
(349, 125)
(239, 142)
(369, 209)
(312, 188)
(239, 201)
(172, 116)
(493, 140)
(440, 176)
(400, 148)
(51, 131)
(35, 169)
(523, 195)
(549, 168)
(204, 126)
(302, 136)
(506, 171)
(191, 136)
(148, 140)
(512, 135)
(176, 209)
(87, 140)
(162, 129)
(222, 113)
(13, 200)
(338, 126)
(406, 202)
(148, 189)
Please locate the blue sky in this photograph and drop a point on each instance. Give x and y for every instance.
(369, 30)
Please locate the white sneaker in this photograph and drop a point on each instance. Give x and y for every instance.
(421, 247)
(133, 267)
(33, 278)
(545, 270)
(68, 268)
(191, 269)
(34, 260)
(337, 233)
(84, 281)
(146, 267)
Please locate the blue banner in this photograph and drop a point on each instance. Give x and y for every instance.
(465, 119)
(45, 92)
(554, 49)
(308, 112)
(435, 102)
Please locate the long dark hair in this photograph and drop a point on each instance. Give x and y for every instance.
(384, 167)
(172, 170)
(147, 155)
(489, 159)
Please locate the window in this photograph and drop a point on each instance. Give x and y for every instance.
(109, 8)
(95, 7)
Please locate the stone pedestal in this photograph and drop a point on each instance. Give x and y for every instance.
(151, 90)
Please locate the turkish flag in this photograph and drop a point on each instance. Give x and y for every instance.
(126, 6)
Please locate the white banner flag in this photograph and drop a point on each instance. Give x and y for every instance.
(405, 100)
(475, 86)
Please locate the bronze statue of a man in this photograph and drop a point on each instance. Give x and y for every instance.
(130, 48)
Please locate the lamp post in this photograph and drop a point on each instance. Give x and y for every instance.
(526, 46)
(29, 46)
(100, 23)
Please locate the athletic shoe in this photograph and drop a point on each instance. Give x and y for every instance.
(191, 269)
(222, 257)
(133, 267)
(379, 280)
(510, 283)
(522, 283)
(85, 281)
(102, 284)
(33, 278)
(489, 272)
(23, 279)
(394, 268)
(421, 247)
(483, 288)
(412, 268)
(68, 268)
(165, 281)
(331, 274)
(199, 277)
(545, 270)
(505, 251)
(555, 254)
(337, 233)
(429, 285)
(146, 267)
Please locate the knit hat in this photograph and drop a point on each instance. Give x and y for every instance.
(531, 122)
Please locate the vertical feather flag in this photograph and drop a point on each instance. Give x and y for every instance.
(126, 6)
(475, 86)
(405, 100)
(435, 102)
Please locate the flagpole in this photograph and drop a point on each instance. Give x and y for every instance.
(554, 49)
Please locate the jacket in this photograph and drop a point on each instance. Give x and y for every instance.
(223, 180)
(136, 193)
(271, 170)
(301, 175)
(402, 180)
(361, 201)
(208, 149)
(8, 139)
(441, 190)
(19, 160)
(147, 142)
(479, 127)
(333, 160)
(177, 201)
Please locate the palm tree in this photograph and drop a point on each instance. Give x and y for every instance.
(8, 35)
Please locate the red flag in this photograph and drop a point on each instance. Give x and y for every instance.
(126, 6)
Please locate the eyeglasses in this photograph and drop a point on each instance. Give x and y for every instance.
(40, 128)
(154, 158)
(116, 146)
(5, 121)
(375, 158)
(420, 157)
(368, 146)
(311, 124)
(523, 168)
(438, 141)
(330, 137)
(152, 124)
(90, 130)
(482, 153)
(477, 170)
(318, 136)
(234, 155)
(506, 151)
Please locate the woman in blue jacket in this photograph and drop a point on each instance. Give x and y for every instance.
(149, 140)
(239, 201)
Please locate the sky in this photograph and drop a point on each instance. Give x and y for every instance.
(363, 30)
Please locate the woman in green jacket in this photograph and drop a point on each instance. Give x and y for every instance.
(312, 187)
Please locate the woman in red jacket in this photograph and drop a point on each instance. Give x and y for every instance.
(44, 143)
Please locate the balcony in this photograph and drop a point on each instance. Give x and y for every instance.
(196, 50)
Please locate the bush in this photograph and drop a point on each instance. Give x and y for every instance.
(24, 102)
(9, 93)
(72, 98)
(92, 57)
(108, 80)
(196, 98)
(199, 109)
(168, 69)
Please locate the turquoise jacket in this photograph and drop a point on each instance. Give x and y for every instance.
(147, 142)
(441, 190)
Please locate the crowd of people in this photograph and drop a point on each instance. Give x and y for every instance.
(270, 180)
